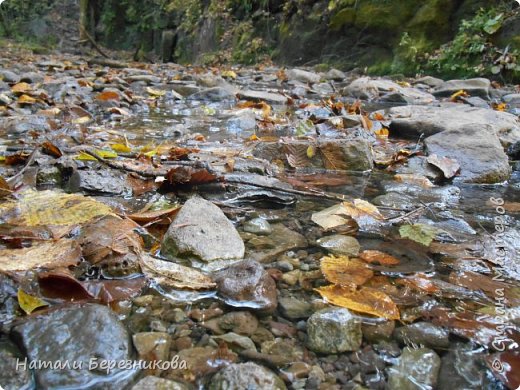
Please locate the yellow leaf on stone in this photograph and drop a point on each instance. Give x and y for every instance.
(344, 271)
(382, 132)
(365, 300)
(121, 148)
(84, 157)
(311, 151)
(36, 208)
(106, 153)
(26, 99)
(21, 88)
(28, 303)
(155, 92)
(82, 120)
(229, 74)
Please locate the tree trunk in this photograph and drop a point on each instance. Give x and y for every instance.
(84, 13)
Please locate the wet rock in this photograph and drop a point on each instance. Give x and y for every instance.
(287, 347)
(8, 301)
(9, 76)
(502, 248)
(240, 322)
(481, 156)
(247, 284)
(32, 77)
(152, 346)
(98, 181)
(249, 376)
(323, 89)
(475, 87)
(376, 332)
(387, 90)
(13, 376)
(475, 101)
(334, 330)
(242, 120)
(204, 232)
(294, 308)
(48, 176)
(514, 151)
(257, 96)
(155, 383)
(214, 94)
(412, 121)
(419, 165)
(21, 124)
(201, 361)
(281, 240)
(417, 368)
(303, 76)
(261, 335)
(461, 369)
(430, 81)
(185, 89)
(423, 333)
(408, 96)
(235, 342)
(512, 99)
(395, 200)
(340, 245)
(76, 334)
(258, 226)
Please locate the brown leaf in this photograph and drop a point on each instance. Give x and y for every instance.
(344, 271)
(377, 257)
(4, 188)
(108, 95)
(296, 154)
(51, 149)
(177, 153)
(17, 158)
(190, 176)
(108, 291)
(365, 300)
(154, 216)
(332, 156)
(61, 284)
(505, 367)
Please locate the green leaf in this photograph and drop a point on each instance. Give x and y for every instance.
(304, 127)
(28, 303)
(421, 233)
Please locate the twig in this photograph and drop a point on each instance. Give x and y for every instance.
(405, 216)
(30, 160)
(93, 42)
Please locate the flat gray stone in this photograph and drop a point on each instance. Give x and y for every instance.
(268, 97)
(202, 230)
(475, 87)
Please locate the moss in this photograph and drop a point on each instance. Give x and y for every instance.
(323, 67)
(343, 17)
(390, 16)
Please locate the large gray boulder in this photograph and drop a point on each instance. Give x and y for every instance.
(479, 153)
(412, 121)
(202, 230)
(84, 335)
(386, 90)
(475, 87)
(334, 330)
(249, 376)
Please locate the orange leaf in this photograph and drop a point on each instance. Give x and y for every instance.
(151, 216)
(51, 149)
(365, 300)
(26, 99)
(108, 95)
(344, 271)
(21, 88)
(373, 256)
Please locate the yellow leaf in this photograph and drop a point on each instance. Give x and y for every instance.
(360, 208)
(106, 153)
(155, 92)
(254, 137)
(229, 74)
(311, 151)
(21, 88)
(81, 120)
(382, 132)
(121, 148)
(344, 271)
(458, 94)
(28, 303)
(365, 300)
(36, 208)
(26, 99)
(84, 157)
(151, 153)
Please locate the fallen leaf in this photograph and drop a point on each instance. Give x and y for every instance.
(177, 153)
(26, 99)
(499, 106)
(345, 272)
(421, 233)
(108, 95)
(170, 274)
(448, 166)
(359, 210)
(382, 132)
(48, 255)
(121, 148)
(365, 300)
(229, 74)
(311, 151)
(51, 149)
(455, 97)
(505, 366)
(21, 88)
(82, 120)
(61, 284)
(17, 158)
(378, 257)
(190, 176)
(4, 188)
(29, 303)
(423, 181)
(156, 215)
(35, 208)
(108, 291)
(82, 156)
(333, 156)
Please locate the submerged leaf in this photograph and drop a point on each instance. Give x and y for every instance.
(340, 214)
(155, 92)
(28, 303)
(344, 271)
(365, 300)
(377, 257)
(36, 208)
(421, 233)
(170, 274)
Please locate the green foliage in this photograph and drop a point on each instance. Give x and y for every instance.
(472, 52)
(14, 14)
(248, 49)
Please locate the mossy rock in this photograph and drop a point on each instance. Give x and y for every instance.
(387, 16)
(343, 17)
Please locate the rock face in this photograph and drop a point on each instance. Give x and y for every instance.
(475, 87)
(386, 90)
(202, 230)
(249, 376)
(247, 284)
(481, 156)
(76, 334)
(417, 368)
(334, 330)
(412, 121)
